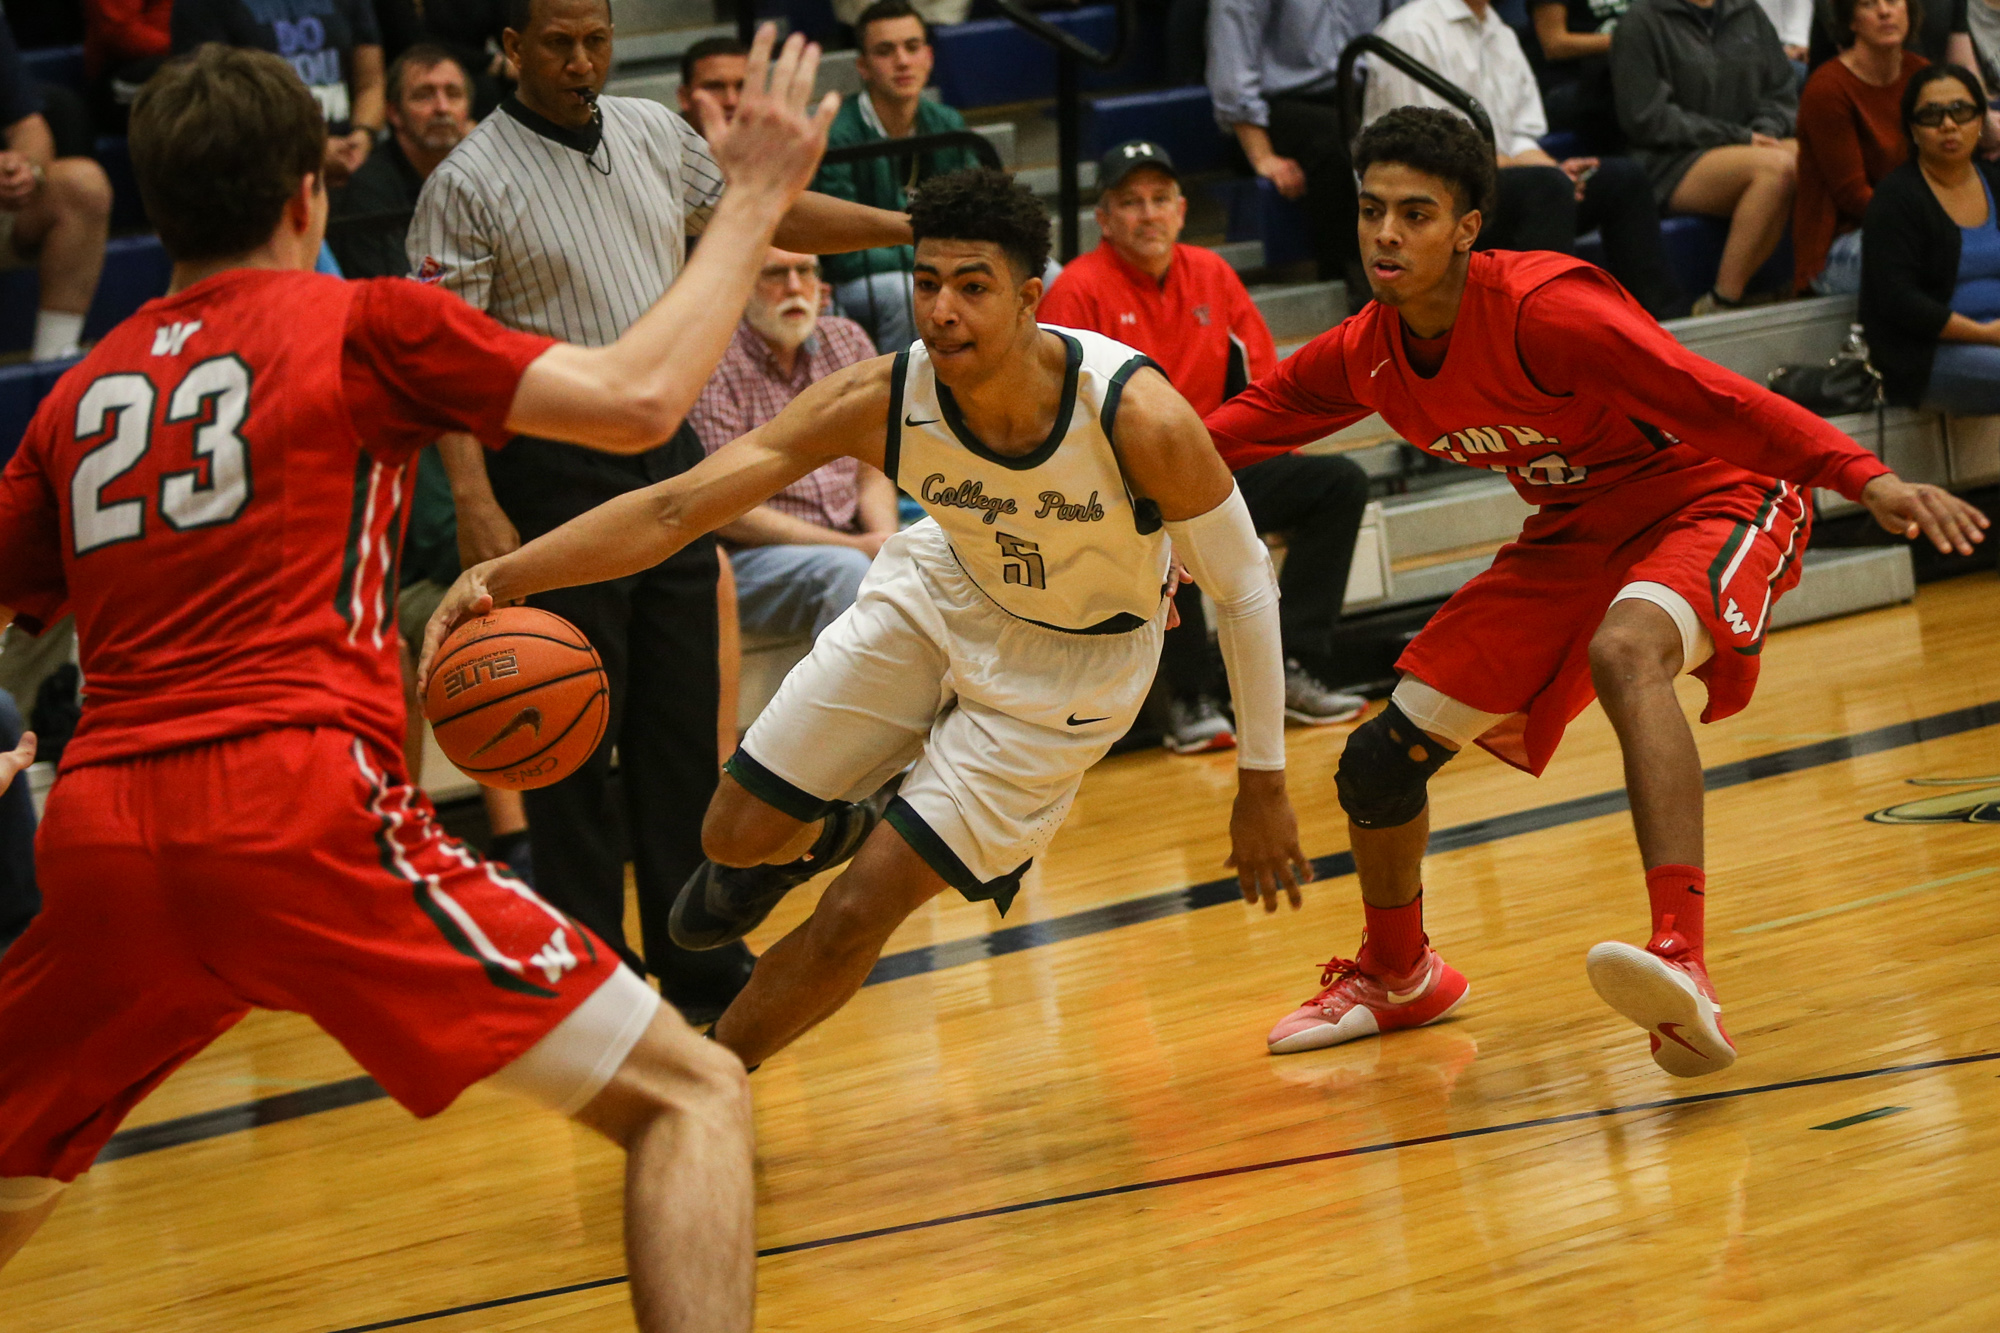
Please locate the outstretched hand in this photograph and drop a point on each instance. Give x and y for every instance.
(1920, 509)
(466, 599)
(1264, 841)
(13, 761)
(772, 142)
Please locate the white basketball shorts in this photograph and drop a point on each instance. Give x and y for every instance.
(1001, 716)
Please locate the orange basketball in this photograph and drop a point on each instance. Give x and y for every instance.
(517, 698)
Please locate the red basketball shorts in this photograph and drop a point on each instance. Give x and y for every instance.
(287, 870)
(1515, 641)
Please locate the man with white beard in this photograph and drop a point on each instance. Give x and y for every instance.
(800, 556)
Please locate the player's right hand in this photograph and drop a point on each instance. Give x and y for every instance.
(13, 761)
(772, 142)
(466, 599)
(1920, 509)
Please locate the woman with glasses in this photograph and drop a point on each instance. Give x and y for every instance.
(1930, 256)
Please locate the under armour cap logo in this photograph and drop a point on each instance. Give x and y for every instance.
(1138, 150)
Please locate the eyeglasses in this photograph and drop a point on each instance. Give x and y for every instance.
(1931, 116)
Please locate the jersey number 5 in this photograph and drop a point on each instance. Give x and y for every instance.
(1021, 562)
(215, 395)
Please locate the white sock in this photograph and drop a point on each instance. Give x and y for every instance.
(57, 333)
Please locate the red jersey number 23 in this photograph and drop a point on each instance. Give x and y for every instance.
(215, 396)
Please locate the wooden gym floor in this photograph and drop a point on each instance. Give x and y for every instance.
(1068, 1120)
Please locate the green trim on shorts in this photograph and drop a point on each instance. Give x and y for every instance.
(939, 856)
(774, 791)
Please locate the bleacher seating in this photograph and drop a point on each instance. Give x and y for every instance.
(1257, 212)
(60, 65)
(22, 389)
(136, 269)
(127, 212)
(991, 62)
(1180, 120)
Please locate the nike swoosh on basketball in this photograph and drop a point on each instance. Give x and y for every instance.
(1076, 721)
(527, 717)
(912, 421)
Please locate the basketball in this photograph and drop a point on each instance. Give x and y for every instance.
(517, 698)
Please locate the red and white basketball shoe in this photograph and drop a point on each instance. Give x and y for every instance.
(1665, 989)
(1353, 1004)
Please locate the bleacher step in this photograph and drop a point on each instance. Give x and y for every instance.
(1842, 582)
(636, 18)
(1301, 310)
(1478, 509)
(1046, 180)
(1755, 342)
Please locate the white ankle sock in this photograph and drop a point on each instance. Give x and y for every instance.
(56, 334)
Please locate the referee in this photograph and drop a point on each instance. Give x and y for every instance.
(567, 213)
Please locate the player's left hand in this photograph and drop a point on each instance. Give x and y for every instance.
(1919, 509)
(1264, 840)
(13, 761)
(466, 599)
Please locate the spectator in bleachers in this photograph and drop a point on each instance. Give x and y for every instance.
(873, 286)
(469, 29)
(1708, 103)
(1850, 137)
(800, 556)
(1930, 257)
(429, 110)
(124, 41)
(1272, 70)
(19, 898)
(713, 65)
(1185, 307)
(55, 212)
(336, 47)
(1540, 204)
(1575, 41)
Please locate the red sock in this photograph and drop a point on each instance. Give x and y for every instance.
(1396, 939)
(1677, 897)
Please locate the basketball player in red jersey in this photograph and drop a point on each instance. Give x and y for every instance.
(217, 492)
(1675, 502)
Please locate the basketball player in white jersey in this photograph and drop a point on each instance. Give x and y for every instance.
(1002, 644)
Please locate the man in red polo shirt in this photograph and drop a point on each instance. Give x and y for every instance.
(1185, 307)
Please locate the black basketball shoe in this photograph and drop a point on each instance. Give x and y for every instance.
(719, 904)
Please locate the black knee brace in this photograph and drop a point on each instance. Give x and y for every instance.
(1385, 770)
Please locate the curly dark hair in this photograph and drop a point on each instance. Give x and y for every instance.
(1437, 143)
(981, 204)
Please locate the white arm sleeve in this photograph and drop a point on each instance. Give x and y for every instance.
(1227, 558)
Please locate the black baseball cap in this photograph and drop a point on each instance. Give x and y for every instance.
(1128, 157)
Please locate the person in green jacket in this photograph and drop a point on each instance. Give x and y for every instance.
(873, 286)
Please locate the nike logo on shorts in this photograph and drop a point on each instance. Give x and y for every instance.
(1076, 721)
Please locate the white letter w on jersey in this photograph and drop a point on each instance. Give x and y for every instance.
(554, 958)
(1731, 614)
(168, 340)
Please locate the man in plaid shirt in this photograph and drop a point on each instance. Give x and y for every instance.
(800, 557)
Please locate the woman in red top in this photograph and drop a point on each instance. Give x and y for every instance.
(1850, 137)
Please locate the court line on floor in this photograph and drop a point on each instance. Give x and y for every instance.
(1251, 1168)
(1133, 911)
(1870, 901)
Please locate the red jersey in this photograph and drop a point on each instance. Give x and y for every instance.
(1200, 324)
(1555, 378)
(218, 492)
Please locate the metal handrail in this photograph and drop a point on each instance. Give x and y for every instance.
(1389, 53)
(1128, 19)
(1069, 50)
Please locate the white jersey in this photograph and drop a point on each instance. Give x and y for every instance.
(1054, 536)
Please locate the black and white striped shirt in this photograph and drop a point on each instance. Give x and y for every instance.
(571, 234)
